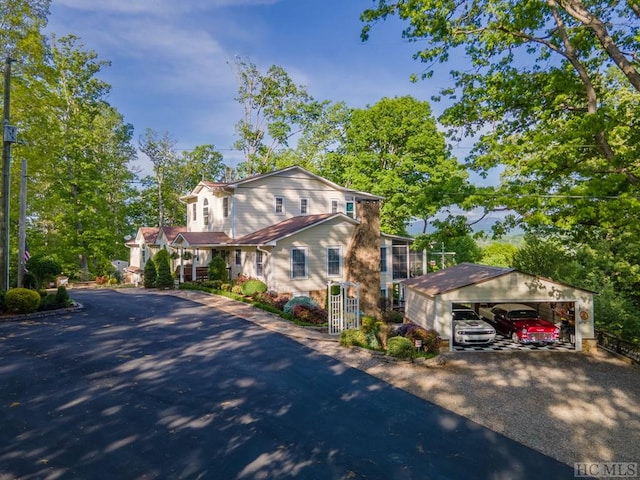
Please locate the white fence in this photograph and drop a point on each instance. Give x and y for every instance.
(344, 309)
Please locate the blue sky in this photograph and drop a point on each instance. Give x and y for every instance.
(170, 68)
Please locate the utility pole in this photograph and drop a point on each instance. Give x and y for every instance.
(9, 137)
(22, 234)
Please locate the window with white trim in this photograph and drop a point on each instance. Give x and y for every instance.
(400, 264)
(205, 212)
(278, 206)
(334, 261)
(259, 263)
(334, 205)
(350, 207)
(194, 211)
(225, 207)
(299, 267)
(304, 206)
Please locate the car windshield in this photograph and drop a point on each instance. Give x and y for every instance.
(464, 315)
(516, 314)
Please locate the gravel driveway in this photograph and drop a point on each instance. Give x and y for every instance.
(571, 406)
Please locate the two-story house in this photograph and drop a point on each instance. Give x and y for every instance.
(292, 229)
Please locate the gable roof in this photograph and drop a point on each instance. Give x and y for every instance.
(202, 239)
(294, 168)
(172, 232)
(288, 227)
(455, 277)
(466, 274)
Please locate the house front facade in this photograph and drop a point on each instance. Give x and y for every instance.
(292, 229)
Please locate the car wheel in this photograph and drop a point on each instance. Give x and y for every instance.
(514, 337)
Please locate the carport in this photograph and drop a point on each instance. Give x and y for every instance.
(429, 298)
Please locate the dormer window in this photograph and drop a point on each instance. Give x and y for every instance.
(205, 212)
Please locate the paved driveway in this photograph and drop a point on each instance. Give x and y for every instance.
(149, 386)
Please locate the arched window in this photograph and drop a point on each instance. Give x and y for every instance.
(205, 212)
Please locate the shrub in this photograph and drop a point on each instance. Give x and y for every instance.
(265, 298)
(164, 279)
(430, 338)
(309, 314)
(237, 289)
(213, 284)
(301, 300)
(150, 274)
(253, 286)
(280, 301)
(225, 287)
(22, 300)
(353, 338)
(62, 296)
(392, 317)
(217, 269)
(43, 269)
(401, 347)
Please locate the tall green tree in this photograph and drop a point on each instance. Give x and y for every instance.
(394, 149)
(552, 91)
(274, 110)
(82, 176)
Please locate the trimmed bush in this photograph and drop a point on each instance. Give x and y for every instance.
(301, 300)
(22, 300)
(353, 338)
(150, 274)
(62, 296)
(164, 279)
(217, 269)
(401, 347)
(253, 286)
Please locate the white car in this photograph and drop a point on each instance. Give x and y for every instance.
(469, 328)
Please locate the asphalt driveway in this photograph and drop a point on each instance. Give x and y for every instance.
(144, 386)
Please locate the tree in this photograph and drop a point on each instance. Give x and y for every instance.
(217, 269)
(393, 149)
(164, 279)
(498, 254)
(552, 92)
(43, 269)
(275, 109)
(150, 274)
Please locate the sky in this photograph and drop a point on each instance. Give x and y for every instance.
(170, 60)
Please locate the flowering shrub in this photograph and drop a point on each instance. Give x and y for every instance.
(301, 300)
(309, 314)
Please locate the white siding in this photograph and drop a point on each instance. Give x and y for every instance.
(254, 202)
(316, 240)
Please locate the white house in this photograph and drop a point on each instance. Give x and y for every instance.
(292, 229)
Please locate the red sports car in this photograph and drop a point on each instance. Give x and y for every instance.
(522, 324)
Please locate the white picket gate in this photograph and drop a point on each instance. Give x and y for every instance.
(344, 310)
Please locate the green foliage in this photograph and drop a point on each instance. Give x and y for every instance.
(401, 347)
(43, 269)
(150, 274)
(217, 269)
(164, 278)
(299, 300)
(62, 296)
(21, 300)
(213, 284)
(498, 254)
(309, 314)
(353, 338)
(253, 286)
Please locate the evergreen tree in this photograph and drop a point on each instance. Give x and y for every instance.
(164, 278)
(150, 274)
(218, 269)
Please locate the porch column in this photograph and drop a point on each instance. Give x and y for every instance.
(181, 265)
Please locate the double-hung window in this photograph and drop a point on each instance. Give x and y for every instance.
(334, 262)
(259, 263)
(238, 256)
(334, 205)
(350, 207)
(278, 206)
(299, 267)
(383, 259)
(194, 211)
(304, 206)
(205, 212)
(225, 207)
